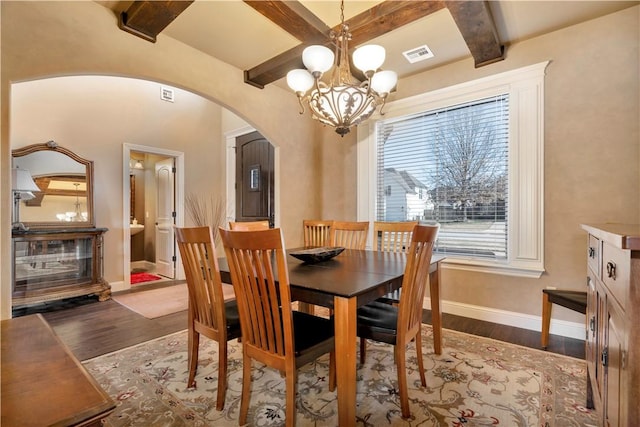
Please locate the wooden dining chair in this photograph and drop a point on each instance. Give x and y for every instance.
(349, 234)
(208, 313)
(392, 236)
(316, 232)
(248, 225)
(272, 333)
(399, 325)
(389, 236)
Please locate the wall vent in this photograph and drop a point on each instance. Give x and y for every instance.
(418, 54)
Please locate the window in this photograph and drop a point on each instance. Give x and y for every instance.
(458, 157)
(469, 157)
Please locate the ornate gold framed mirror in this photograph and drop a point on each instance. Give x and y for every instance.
(65, 181)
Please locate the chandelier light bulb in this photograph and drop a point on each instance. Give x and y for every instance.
(317, 59)
(369, 57)
(384, 81)
(300, 81)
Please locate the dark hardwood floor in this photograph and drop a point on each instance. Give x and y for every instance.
(91, 328)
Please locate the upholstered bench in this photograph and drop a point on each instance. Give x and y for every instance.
(573, 300)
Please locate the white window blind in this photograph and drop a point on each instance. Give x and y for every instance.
(449, 165)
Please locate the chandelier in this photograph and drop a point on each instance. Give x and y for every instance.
(344, 102)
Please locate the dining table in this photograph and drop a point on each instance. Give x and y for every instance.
(348, 281)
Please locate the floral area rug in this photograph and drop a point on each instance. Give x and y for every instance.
(474, 382)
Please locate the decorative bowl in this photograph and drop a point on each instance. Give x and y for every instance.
(314, 255)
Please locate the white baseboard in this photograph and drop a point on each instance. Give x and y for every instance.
(118, 286)
(511, 318)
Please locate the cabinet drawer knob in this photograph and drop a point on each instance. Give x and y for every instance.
(592, 323)
(611, 270)
(592, 252)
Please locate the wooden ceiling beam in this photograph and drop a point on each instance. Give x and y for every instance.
(147, 19)
(388, 16)
(475, 22)
(372, 23)
(292, 17)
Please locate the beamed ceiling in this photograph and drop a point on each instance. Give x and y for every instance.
(265, 38)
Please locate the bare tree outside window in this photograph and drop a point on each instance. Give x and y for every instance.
(470, 174)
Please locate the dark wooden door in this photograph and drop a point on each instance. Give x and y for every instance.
(254, 178)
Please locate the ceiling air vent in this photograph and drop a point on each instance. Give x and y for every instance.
(418, 54)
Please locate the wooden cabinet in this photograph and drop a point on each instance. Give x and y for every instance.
(613, 317)
(55, 264)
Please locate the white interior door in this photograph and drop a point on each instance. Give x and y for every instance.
(165, 219)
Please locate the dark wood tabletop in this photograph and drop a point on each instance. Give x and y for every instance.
(43, 384)
(364, 274)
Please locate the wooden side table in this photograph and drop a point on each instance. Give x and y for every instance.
(42, 381)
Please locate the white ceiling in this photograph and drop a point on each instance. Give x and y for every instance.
(235, 33)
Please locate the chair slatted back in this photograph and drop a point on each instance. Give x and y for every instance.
(349, 234)
(316, 232)
(206, 298)
(207, 309)
(416, 278)
(392, 236)
(249, 225)
(262, 292)
(258, 267)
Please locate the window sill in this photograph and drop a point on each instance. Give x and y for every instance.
(492, 267)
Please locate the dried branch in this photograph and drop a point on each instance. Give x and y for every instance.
(206, 210)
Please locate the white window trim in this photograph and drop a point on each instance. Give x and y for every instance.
(525, 86)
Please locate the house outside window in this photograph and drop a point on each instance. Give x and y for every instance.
(474, 152)
(400, 197)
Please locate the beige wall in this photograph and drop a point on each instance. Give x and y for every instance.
(591, 130)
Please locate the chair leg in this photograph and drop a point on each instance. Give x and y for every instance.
(546, 320)
(423, 380)
(246, 389)
(192, 350)
(332, 371)
(222, 374)
(290, 403)
(401, 362)
(363, 350)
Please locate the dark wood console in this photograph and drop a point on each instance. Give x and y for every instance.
(50, 264)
